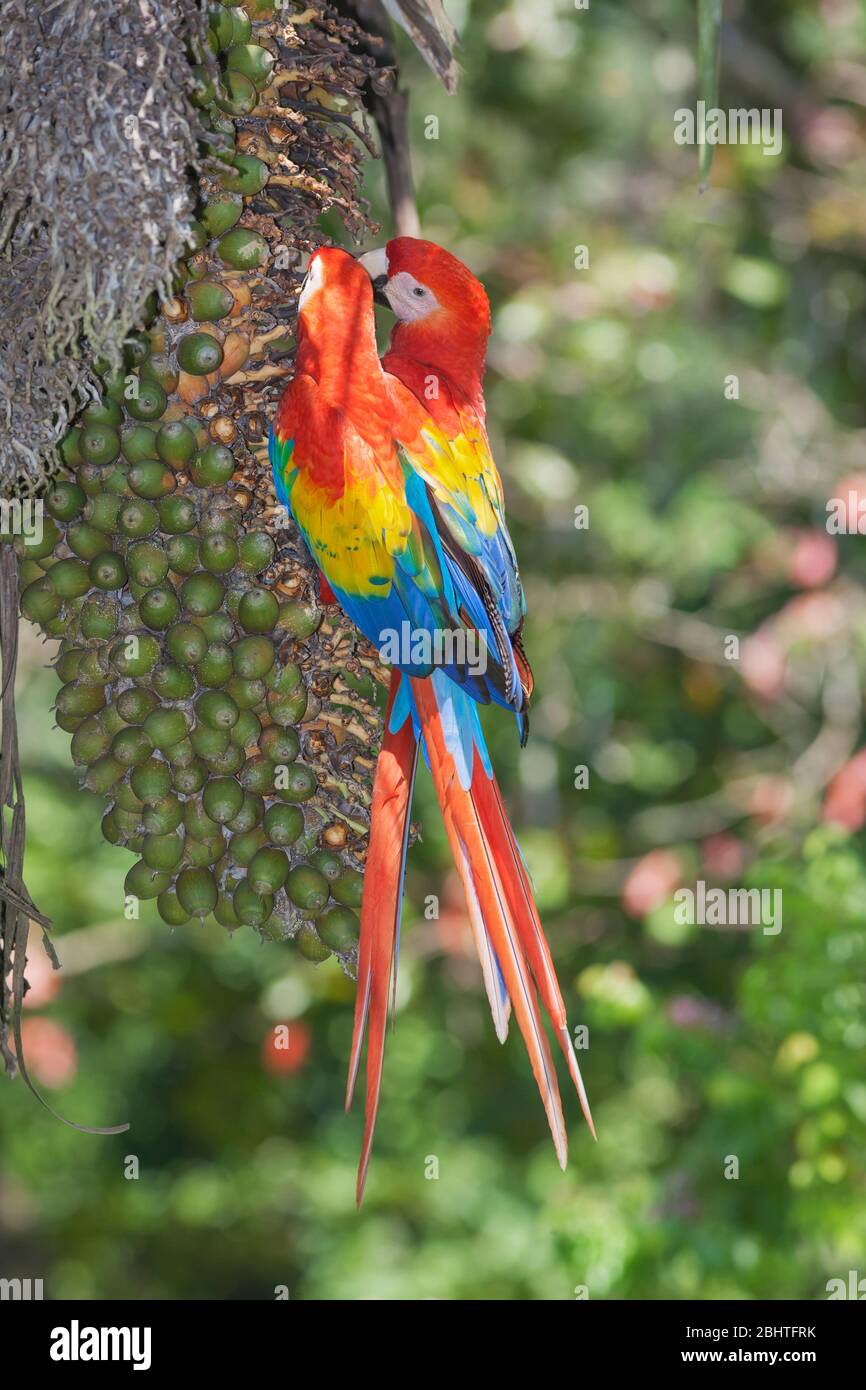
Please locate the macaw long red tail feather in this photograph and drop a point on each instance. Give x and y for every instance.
(509, 860)
(494, 985)
(380, 913)
(477, 858)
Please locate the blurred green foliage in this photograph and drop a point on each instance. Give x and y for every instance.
(610, 388)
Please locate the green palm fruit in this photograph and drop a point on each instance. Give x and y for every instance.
(200, 354)
(144, 882)
(172, 682)
(170, 908)
(310, 944)
(135, 704)
(346, 889)
(244, 846)
(196, 891)
(175, 443)
(147, 563)
(40, 602)
(217, 627)
(258, 610)
(215, 667)
(186, 644)
(252, 908)
(250, 173)
(299, 783)
(131, 746)
(137, 443)
(251, 813)
(89, 742)
(214, 465)
(229, 762)
(65, 500)
(328, 863)
(147, 401)
(177, 515)
(208, 743)
(209, 301)
(253, 658)
(225, 913)
(151, 479)
(164, 851)
(202, 594)
(162, 816)
(247, 731)
(308, 888)
(339, 928)
(107, 570)
(165, 727)
(159, 607)
(222, 799)
(255, 62)
(204, 853)
(85, 540)
(189, 779)
(103, 774)
(240, 249)
(267, 870)
(278, 744)
(284, 825)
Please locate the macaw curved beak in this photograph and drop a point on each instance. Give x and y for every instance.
(379, 286)
(376, 265)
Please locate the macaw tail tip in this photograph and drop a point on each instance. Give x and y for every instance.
(576, 1077)
(560, 1144)
(361, 1184)
(351, 1079)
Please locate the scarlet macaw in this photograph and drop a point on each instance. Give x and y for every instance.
(399, 501)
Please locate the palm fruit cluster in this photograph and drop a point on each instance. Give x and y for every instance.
(226, 718)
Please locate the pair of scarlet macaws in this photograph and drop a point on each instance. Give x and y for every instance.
(387, 471)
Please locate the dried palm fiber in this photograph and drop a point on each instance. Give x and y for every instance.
(95, 197)
(162, 527)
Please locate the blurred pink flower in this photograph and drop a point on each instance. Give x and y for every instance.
(50, 1053)
(813, 561)
(817, 615)
(771, 799)
(832, 135)
(845, 802)
(722, 856)
(763, 664)
(651, 882)
(851, 492)
(693, 1012)
(280, 1060)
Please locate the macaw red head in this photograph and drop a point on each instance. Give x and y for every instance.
(442, 310)
(418, 279)
(336, 327)
(335, 289)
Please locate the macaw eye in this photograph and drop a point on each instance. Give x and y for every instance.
(419, 291)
